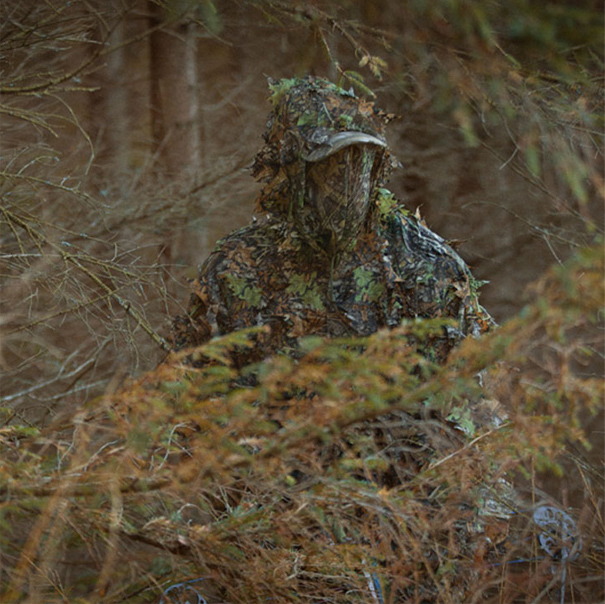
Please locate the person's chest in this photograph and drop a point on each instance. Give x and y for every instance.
(376, 285)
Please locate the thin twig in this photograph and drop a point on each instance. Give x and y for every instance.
(111, 292)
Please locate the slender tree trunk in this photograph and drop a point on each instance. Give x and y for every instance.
(137, 65)
(115, 110)
(174, 94)
(109, 104)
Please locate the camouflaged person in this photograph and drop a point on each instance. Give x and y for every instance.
(334, 254)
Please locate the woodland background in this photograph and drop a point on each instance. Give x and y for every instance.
(127, 129)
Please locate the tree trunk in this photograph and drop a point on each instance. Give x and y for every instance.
(174, 94)
(115, 100)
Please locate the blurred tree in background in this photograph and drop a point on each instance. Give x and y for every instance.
(126, 130)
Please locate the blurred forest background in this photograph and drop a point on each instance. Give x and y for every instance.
(127, 128)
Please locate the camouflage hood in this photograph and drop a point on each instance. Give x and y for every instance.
(312, 122)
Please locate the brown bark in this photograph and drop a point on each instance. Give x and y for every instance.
(115, 101)
(174, 94)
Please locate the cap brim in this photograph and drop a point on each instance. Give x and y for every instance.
(340, 140)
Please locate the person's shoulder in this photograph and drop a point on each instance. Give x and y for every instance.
(410, 236)
(254, 230)
(242, 247)
(257, 233)
(396, 220)
(401, 223)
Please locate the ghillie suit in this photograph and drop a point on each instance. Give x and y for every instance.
(334, 254)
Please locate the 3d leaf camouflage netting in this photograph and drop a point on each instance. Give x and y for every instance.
(334, 254)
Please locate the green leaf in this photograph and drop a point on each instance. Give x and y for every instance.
(307, 288)
(244, 290)
(463, 418)
(279, 87)
(210, 17)
(386, 202)
(532, 159)
(465, 124)
(368, 286)
(357, 80)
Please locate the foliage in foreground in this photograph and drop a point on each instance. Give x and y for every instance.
(335, 478)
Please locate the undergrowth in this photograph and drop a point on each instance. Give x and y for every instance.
(334, 478)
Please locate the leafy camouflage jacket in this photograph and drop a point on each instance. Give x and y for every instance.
(306, 267)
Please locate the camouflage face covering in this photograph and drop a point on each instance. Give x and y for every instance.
(323, 157)
(337, 198)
